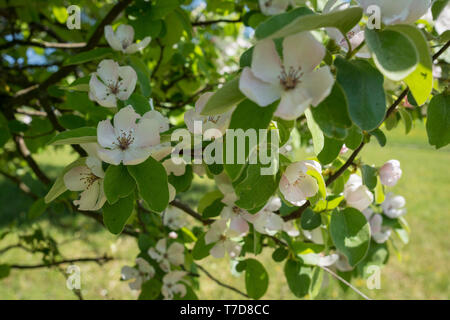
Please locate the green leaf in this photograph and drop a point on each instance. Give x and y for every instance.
(256, 189)
(201, 249)
(380, 136)
(140, 103)
(214, 209)
(354, 138)
(256, 279)
(208, 199)
(310, 220)
(37, 209)
(151, 179)
(316, 282)
(407, 119)
(118, 183)
(60, 14)
(280, 254)
(369, 176)
(332, 114)
(363, 86)
(298, 277)
(150, 289)
(330, 150)
(303, 19)
(393, 53)
(116, 215)
(316, 133)
(420, 82)
(438, 121)
(75, 136)
(438, 6)
(182, 183)
(350, 232)
(59, 187)
(224, 98)
(4, 270)
(5, 134)
(94, 54)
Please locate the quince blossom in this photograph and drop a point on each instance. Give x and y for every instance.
(89, 179)
(122, 39)
(222, 236)
(173, 218)
(379, 233)
(267, 221)
(390, 173)
(127, 141)
(219, 121)
(167, 255)
(393, 206)
(295, 80)
(398, 11)
(171, 284)
(143, 272)
(356, 194)
(296, 185)
(115, 82)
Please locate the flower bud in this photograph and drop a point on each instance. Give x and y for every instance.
(356, 194)
(390, 173)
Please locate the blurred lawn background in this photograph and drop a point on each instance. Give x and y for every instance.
(422, 272)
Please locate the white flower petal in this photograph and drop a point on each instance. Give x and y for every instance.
(318, 84)
(266, 63)
(162, 121)
(260, 92)
(125, 34)
(114, 156)
(218, 251)
(111, 38)
(133, 156)
(108, 71)
(100, 93)
(293, 103)
(106, 135)
(127, 84)
(147, 133)
(74, 178)
(302, 50)
(125, 120)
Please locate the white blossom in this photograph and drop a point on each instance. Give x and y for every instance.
(314, 235)
(87, 178)
(295, 80)
(127, 141)
(173, 218)
(393, 206)
(115, 82)
(379, 233)
(219, 121)
(167, 255)
(222, 236)
(442, 23)
(390, 173)
(267, 221)
(398, 11)
(296, 185)
(342, 263)
(122, 39)
(178, 167)
(143, 272)
(356, 194)
(172, 284)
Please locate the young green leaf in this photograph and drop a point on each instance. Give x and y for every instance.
(75, 136)
(256, 279)
(118, 183)
(116, 215)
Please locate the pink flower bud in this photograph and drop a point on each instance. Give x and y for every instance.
(390, 173)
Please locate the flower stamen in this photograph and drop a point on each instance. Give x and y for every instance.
(124, 140)
(290, 80)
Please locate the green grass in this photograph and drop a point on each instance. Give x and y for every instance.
(421, 273)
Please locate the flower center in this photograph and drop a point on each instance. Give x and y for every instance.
(268, 3)
(290, 79)
(124, 140)
(89, 179)
(213, 119)
(114, 88)
(236, 210)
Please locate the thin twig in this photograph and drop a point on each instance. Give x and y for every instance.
(191, 212)
(99, 260)
(210, 22)
(220, 283)
(345, 282)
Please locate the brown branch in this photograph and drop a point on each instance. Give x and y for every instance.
(191, 212)
(210, 22)
(99, 260)
(22, 186)
(220, 283)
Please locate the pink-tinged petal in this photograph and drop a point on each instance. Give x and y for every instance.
(302, 50)
(127, 84)
(417, 9)
(266, 63)
(376, 223)
(293, 104)
(133, 156)
(239, 225)
(318, 84)
(108, 71)
(233, 248)
(106, 135)
(74, 178)
(146, 133)
(125, 34)
(112, 40)
(260, 92)
(125, 120)
(190, 117)
(114, 156)
(218, 251)
(95, 165)
(294, 170)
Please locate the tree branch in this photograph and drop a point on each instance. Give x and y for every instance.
(210, 22)
(99, 260)
(191, 212)
(220, 283)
